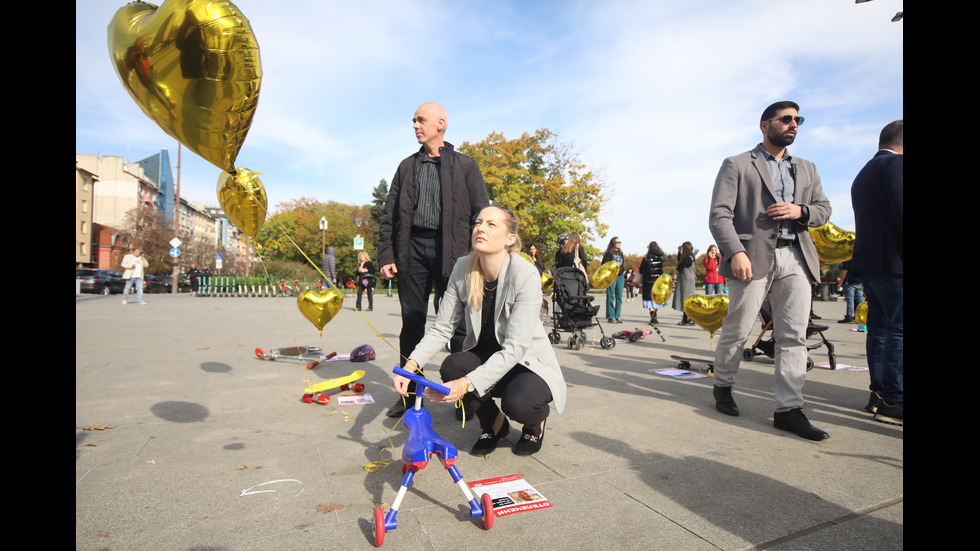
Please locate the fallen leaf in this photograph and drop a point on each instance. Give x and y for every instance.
(240, 467)
(329, 508)
(95, 426)
(104, 534)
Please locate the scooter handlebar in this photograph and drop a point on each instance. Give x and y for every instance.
(422, 381)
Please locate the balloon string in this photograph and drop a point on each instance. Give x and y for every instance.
(374, 465)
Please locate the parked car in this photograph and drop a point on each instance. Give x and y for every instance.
(100, 281)
(156, 284)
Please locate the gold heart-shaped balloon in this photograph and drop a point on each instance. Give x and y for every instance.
(527, 257)
(242, 197)
(661, 290)
(193, 67)
(833, 244)
(605, 275)
(707, 311)
(861, 313)
(547, 282)
(320, 306)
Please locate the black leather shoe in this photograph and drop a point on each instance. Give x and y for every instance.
(400, 406)
(724, 401)
(795, 422)
(873, 402)
(529, 443)
(488, 440)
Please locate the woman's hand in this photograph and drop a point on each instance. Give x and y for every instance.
(401, 385)
(457, 388)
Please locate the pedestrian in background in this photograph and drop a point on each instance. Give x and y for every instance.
(135, 266)
(684, 279)
(614, 293)
(365, 280)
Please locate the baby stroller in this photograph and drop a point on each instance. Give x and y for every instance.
(572, 309)
(768, 347)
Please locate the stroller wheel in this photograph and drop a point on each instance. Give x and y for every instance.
(833, 360)
(607, 342)
(554, 337)
(748, 354)
(809, 363)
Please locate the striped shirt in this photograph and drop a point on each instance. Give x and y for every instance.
(428, 202)
(783, 174)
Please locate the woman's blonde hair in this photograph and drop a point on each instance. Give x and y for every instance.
(474, 273)
(363, 257)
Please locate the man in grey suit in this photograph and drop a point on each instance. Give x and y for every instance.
(763, 202)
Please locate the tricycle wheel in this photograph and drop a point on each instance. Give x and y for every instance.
(379, 527)
(487, 512)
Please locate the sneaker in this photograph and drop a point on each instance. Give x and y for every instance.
(142, 302)
(891, 414)
(124, 302)
(873, 402)
(847, 319)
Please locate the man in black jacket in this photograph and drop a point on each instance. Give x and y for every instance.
(434, 197)
(879, 218)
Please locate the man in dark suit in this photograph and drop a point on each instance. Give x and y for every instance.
(762, 205)
(876, 196)
(434, 197)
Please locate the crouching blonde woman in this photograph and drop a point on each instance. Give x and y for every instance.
(506, 353)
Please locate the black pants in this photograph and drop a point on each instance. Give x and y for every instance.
(370, 291)
(524, 395)
(415, 282)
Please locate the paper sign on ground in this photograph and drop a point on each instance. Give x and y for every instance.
(678, 373)
(841, 367)
(510, 494)
(354, 399)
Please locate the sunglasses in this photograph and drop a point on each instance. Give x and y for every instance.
(786, 119)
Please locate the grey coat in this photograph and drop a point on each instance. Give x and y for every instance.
(516, 324)
(738, 220)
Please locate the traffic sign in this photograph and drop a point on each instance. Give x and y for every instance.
(175, 252)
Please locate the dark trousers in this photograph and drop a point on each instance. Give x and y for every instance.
(524, 395)
(370, 292)
(885, 342)
(415, 282)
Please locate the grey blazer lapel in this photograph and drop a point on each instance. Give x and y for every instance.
(503, 291)
(759, 162)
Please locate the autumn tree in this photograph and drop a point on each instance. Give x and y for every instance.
(293, 233)
(545, 184)
(379, 196)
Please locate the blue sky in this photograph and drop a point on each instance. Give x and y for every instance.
(653, 94)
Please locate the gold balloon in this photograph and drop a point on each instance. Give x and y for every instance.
(193, 67)
(861, 313)
(661, 290)
(833, 244)
(605, 275)
(242, 197)
(547, 281)
(527, 257)
(320, 306)
(707, 311)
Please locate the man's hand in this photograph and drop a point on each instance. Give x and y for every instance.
(742, 267)
(784, 211)
(389, 271)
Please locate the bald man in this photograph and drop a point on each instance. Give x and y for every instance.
(434, 198)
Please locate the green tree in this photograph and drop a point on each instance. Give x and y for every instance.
(293, 234)
(545, 184)
(379, 196)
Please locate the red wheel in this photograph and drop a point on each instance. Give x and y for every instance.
(258, 353)
(323, 399)
(487, 512)
(359, 387)
(379, 527)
